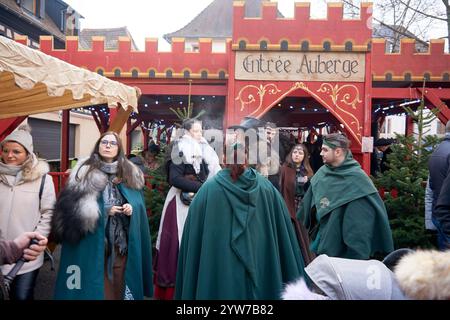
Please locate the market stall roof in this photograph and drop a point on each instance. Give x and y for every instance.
(33, 82)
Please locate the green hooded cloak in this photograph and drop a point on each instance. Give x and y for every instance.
(238, 241)
(344, 213)
(81, 270)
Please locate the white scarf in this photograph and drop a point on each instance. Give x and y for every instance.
(195, 151)
(16, 171)
(9, 170)
(192, 151)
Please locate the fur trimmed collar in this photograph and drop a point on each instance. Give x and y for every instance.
(76, 210)
(99, 178)
(36, 171)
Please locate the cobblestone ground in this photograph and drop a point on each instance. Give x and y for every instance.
(45, 282)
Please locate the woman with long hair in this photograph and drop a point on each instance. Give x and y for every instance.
(28, 196)
(294, 178)
(238, 241)
(101, 220)
(192, 161)
(295, 174)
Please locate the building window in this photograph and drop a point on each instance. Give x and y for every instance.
(32, 6)
(263, 45)
(305, 46)
(348, 46)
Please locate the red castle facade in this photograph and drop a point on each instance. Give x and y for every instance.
(296, 71)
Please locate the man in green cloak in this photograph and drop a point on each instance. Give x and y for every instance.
(342, 210)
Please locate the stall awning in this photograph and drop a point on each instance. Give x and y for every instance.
(33, 82)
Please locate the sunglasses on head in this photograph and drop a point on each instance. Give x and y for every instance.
(106, 142)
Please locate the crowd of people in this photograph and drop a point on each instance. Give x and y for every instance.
(290, 225)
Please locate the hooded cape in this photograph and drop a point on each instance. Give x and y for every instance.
(238, 241)
(344, 213)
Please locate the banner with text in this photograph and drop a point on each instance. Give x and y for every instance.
(300, 66)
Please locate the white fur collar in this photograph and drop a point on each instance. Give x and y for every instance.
(425, 274)
(192, 151)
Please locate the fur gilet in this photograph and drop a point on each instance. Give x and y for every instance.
(76, 209)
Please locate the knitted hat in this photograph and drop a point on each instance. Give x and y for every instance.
(21, 135)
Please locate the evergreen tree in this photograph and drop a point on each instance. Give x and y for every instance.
(405, 182)
(155, 194)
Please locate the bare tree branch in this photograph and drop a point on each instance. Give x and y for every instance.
(388, 26)
(421, 12)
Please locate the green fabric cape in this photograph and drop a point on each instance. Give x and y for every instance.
(89, 255)
(352, 218)
(238, 241)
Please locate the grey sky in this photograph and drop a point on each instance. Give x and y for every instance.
(150, 18)
(153, 18)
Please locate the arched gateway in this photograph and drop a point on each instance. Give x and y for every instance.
(333, 63)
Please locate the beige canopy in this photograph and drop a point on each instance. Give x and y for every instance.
(33, 82)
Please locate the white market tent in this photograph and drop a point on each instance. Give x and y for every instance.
(33, 82)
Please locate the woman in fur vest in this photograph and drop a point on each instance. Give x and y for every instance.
(24, 207)
(100, 218)
(191, 163)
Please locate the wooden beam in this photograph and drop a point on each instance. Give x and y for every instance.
(367, 112)
(407, 93)
(97, 120)
(8, 125)
(65, 122)
(433, 98)
(128, 148)
(120, 119)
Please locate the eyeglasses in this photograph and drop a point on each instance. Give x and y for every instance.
(111, 143)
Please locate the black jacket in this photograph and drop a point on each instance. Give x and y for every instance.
(441, 211)
(182, 176)
(438, 166)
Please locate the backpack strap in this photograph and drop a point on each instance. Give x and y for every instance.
(41, 188)
(47, 252)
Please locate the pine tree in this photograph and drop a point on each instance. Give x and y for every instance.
(155, 195)
(406, 179)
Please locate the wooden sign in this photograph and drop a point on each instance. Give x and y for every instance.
(300, 66)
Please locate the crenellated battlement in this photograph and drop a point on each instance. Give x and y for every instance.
(334, 33)
(151, 63)
(408, 64)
